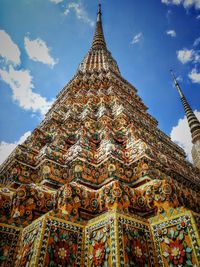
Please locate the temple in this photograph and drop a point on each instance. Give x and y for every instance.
(97, 183)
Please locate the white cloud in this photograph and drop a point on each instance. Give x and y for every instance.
(185, 55)
(66, 12)
(198, 17)
(20, 81)
(7, 148)
(196, 57)
(192, 56)
(56, 1)
(179, 78)
(171, 33)
(80, 12)
(189, 3)
(136, 38)
(37, 50)
(8, 49)
(173, 2)
(194, 76)
(197, 42)
(185, 3)
(181, 135)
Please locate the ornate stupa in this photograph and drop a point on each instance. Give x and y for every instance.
(193, 123)
(97, 183)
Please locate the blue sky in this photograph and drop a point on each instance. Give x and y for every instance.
(43, 41)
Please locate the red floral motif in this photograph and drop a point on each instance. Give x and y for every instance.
(98, 253)
(62, 248)
(176, 252)
(136, 247)
(138, 251)
(61, 253)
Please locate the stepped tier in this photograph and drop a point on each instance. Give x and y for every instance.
(94, 123)
(97, 133)
(84, 203)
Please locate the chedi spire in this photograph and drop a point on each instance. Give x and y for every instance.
(99, 40)
(193, 123)
(99, 58)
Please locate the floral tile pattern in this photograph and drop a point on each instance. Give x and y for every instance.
(100, 245)
(176, 243)
(61, 248)
(28, 248)
(51, 242)
(135, 242)
(135, 247)
(9, 238)
(61, 244)
(29, 244)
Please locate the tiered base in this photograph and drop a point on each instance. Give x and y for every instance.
(112, 239)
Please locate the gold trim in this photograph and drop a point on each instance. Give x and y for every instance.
(171, 218)
(196, 233)
(40, 239)
(154, 246)
(135, 219)
(65, 221)
(117, 248)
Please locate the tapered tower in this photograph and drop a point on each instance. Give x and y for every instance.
(193, 123)
(97, 183)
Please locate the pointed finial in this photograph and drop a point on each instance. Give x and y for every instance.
(176, 83)
(98, 40)
(173, 76)
(99, 12)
